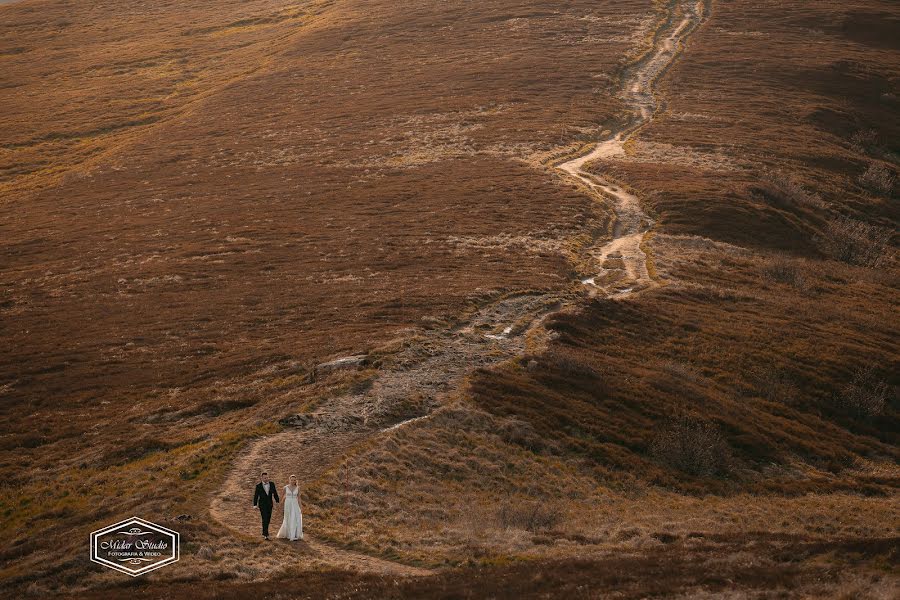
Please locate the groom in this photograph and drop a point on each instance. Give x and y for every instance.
(263, 496)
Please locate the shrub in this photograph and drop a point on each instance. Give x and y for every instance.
(693, 446)
(782, 270)
(862, 141)
(878, 179)
(866, 395)
(786, 188)
(678, 370)
(520, 433)
(392, 409)
(774, 385)
(531, 516)
(855, 242)
(215, 408)
(570, 367)
(135, 450)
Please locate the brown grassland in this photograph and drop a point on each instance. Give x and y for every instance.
(202, 202)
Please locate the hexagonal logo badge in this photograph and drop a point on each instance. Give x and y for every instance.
(134, 546)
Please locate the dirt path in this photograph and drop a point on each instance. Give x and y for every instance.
(622, 262)
(425, 375)
(430, 370)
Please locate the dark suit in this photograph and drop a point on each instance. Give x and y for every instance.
(264, 502)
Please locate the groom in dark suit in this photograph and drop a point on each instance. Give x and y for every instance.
(263, 497)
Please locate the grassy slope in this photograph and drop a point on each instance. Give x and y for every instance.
(200, 202)
(762, 360)
(802, 500)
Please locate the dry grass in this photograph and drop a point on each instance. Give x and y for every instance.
(256, 221)
(878, 179)
(774, 385)
(787, 271)
(787, 189)
(856, 243)
(248, 190)
(808, 571)
(866, 395)
(533, 516)
(693, 446)
(864, 142)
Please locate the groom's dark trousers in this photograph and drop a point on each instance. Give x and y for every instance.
(264, 501)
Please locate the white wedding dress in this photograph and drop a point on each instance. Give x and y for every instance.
(292, 526)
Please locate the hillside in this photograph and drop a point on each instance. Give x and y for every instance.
(537, 299)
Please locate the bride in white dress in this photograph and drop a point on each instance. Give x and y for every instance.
(292, 526)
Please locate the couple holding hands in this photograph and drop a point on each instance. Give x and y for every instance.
(265, 496)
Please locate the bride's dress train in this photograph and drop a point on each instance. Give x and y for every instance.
(292, 526)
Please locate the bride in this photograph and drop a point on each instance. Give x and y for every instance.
(292, 526)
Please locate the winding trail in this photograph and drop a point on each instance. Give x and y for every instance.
(433, 367)
(622, 261)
